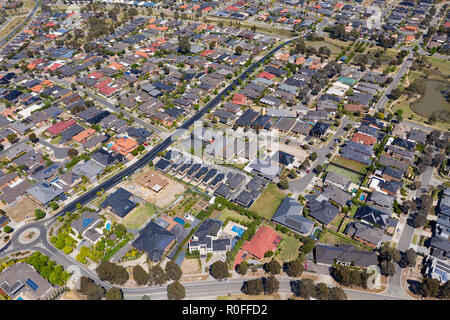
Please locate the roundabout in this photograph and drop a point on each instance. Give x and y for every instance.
(29, 235)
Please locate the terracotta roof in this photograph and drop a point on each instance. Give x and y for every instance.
(265, 239)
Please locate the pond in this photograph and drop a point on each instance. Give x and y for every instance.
(434, 101)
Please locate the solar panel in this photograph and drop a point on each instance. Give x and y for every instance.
(87, 221)
(31, 284)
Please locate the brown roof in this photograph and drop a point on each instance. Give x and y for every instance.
(353, 107)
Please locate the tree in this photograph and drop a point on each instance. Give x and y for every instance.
(238, 50)
(156, 276)
(140, 276)
(271, 285)
(337, 293)
(410, 257)
(8, 229)
(173, 271)
(91, 289)
(242, 268)
(444, 291)
(272, 267)
(306, 288)
(420, 219)
(219, 270)
(430, 287)
(395, 94)
(176, 291)
(322, 292)
(253, 287)
(33, 138)
(39, 214)
(387, 268)
(108, 271)
(184, 45)
(283, 184)
(120, 230)
(12, 138)
(114, 294)
(313, 156)
(308, 245)
(389, 253)
(72, 152)
(294, 268)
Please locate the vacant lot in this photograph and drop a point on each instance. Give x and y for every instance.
(227, 213)
(352, 176)
(288, 249)
(161, 199)
(24, 207)
(349, 164)
(13, 23)
(333, 44)
(190, 266)
(139, 216)
(268, 202)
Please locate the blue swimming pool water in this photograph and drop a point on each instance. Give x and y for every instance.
(238, 230)
(108, 226)
(362, 197)
(19, 298)
(179, 220)
(110, 145)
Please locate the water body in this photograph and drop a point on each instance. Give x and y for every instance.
(434, 101)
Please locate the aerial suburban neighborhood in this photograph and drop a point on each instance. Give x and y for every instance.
(224, 150)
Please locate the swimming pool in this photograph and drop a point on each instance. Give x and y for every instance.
(108, 226)
(179, 220)
(362, 197)
(238, 230)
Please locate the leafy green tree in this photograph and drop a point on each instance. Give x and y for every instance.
(430, 287)
(242, 268)
(253, 287)
(272, 267)
(410, 257)
(294, 268)
(176, 291)
(39, 214)
(173, 271)
(322, 292)
(114, 294)
(308, 245)
(337, 293)
(156, 276)
(140, 275)
(8, 229)
(219, 270)
(271, 285)
(108, 271)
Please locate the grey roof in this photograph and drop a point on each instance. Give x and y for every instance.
(119, 202)
(209, 228)
(382, 199)
(373, 216)
(337, 195)
(289, 214)
(22, 277)
(323, 211)
(337, 179)
(154, 240)
(365, 232)
(43, 192)
(344, 253)
(85, 222)
(89, 169)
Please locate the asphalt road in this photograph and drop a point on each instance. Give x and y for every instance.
(9, 36)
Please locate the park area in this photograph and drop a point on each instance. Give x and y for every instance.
(139, 216)
(268, 202)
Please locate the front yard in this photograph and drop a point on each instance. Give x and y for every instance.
(139, 216)
(288, 249)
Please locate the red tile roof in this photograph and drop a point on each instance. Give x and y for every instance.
(265, 239)
(59, 127)
(364, 139)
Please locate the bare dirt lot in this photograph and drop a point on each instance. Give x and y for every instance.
(300, 154)
(24, 207)
(190, 266)
(72, 295)
(161, 199)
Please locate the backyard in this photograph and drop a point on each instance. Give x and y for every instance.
(227, 213)
(288, 249)
(349, 164)
(139, 216)
(351, 175)
(268, 202)
(331, 238)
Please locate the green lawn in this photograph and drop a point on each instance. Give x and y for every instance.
(333, 44)
(56, 140)
(441, 65)
(337, 220)
(350, 164)
(288, 249)
(227, 213)
(268, 202)
(139, 216)
(330, 238)
(353, 210)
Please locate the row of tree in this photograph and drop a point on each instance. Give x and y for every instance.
(306, 289)
(255, 287)
(156, 274)
(93, 291)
